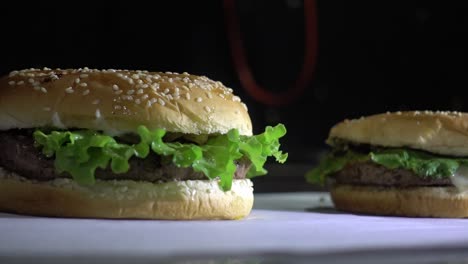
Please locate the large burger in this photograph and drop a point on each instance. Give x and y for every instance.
(127, 144)
(402, 163)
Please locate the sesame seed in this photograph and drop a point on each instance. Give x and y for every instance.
(130, 81)
(166, 90)
(155, 86)
(115, 87)
(46, 69)
(185, 73)
(131, 91)
(86, 92)
(144, 97)
(170, 80)
(120, 75)
(153, 100)
(135, 76)
(137, 101)
(139, 81)
(129, 98)
(83, 75)
(117, 107)
(11, 82)
(37, 88)
(207, 109)
(83, 84)
(95, 102)
(186, 80)
(148, 104)
(199, 99)
(208, 94)
(13, 73)
(30, 75)
(31, 80)
(245, 106)
(140, 91)
(161, 102)
(118, 92)
(144, 86)
(20, 83)
(221, 95)
(44, 90)
(236, 99)
(187, 95)
(77, 80)
(69, 90)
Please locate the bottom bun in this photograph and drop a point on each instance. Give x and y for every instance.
(415, 202)
(182, 200)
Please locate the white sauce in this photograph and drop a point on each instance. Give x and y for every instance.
(56, 122)
(98, 114)
(460, 179)
(101, 122)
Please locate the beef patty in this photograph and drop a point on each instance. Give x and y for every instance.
(18, 154)
(369, 173)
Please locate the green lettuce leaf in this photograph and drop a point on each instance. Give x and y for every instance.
(330, 164)
(80, 153)
(421, 163)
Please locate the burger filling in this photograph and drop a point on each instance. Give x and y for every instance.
(154, 156)
(361, 164)
(19, 154)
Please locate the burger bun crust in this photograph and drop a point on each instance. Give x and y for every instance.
(414, 202)
(118, 101)
(443, 133)
(184, 200)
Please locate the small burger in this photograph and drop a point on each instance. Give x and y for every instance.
(402, 163)
(127, 144)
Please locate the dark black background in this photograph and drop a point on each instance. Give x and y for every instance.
(373, 56)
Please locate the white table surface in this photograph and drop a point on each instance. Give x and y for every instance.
(287, 223)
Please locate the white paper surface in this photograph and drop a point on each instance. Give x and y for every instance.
(281, 223)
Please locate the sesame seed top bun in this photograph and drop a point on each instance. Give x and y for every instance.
(118, 101)
(437, 132)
